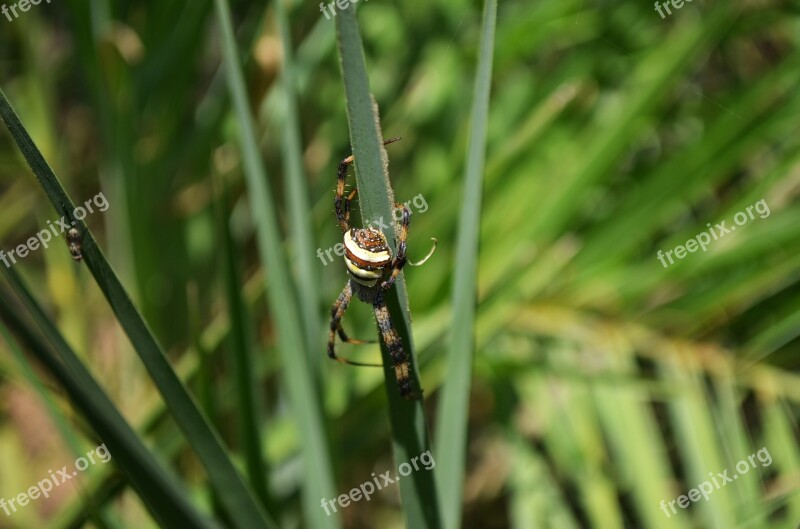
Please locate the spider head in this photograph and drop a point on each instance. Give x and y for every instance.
(366, 254)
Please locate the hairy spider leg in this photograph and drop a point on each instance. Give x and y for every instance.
(342, 203)
(401, 259)
(337, 312)
(394, 345)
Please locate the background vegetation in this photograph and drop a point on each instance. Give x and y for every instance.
(602, 382)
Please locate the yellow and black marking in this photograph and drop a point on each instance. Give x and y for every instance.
(395, 347)
(373, 270)
(336, 318)
(340, 203)
(337, 312)
(367, 255)
(401, 259)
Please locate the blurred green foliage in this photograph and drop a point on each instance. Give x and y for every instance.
(603, 382)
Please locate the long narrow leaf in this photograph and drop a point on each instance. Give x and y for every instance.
(297, 195)
(299, 384)
(234, 493)
(159, 490)
(376, 200)
(451, 441)
(96, 513)
(244, 374)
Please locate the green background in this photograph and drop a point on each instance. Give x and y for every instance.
(601, 382)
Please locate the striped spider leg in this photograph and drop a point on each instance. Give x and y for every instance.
(372, 271)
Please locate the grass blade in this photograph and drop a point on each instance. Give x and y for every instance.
(451, 425)
(234, 493)
(97, 514)
(244, 373)
(297, 198)
(159, 490)
(299, 383)
(376, 200)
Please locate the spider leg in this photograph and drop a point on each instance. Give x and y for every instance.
(337, 312)
(394, 345)
(353, 341)
(340, 203)
(400, 259)
(425, 259)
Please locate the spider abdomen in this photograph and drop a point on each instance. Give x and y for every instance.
(367, 254)
(75, 243)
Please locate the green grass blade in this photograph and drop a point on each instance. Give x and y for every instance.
(245, 378)
(536, 500)
(299, 383)
(376, 200)
(95, 513)
(297, 195)
(159, 490)
(451, 428)
(107, 490)
(233, 491)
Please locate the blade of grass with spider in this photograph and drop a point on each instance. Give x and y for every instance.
(376, 200)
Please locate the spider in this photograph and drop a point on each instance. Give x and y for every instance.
(75, 243)
(372, 271)
(74, 236)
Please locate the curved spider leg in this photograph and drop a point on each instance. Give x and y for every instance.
(425, 259)
(340, 203)
(337, 312)
(394, 345)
